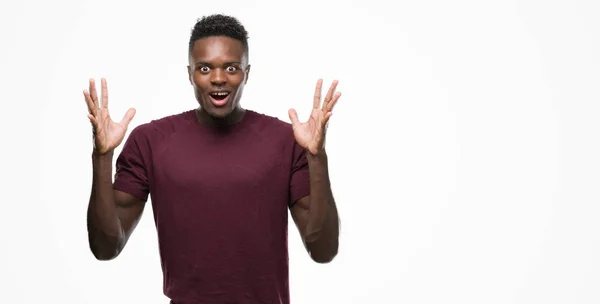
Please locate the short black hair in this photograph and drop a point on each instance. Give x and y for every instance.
(219, 25)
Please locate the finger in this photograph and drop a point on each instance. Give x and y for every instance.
(317, 98)
(293, 117)
(332, 103)
(93, 93)
(89, 102)
(128, 117)
(325, 124)
(329, 95)
(104, 93)
(93, 121)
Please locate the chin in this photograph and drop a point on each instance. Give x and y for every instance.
(219, 113)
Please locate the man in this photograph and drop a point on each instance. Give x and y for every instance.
(221, 179)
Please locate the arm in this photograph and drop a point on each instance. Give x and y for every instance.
(112, 214)
(316, 215)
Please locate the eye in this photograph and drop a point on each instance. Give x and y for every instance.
(231, 69)
(204, 69)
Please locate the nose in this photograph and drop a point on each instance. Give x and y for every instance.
(218, 77)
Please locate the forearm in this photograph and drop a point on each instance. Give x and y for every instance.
(105, 232)
(323, 221)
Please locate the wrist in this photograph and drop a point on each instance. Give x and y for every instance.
(320, 156)
(102, 156)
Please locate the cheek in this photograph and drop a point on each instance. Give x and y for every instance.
(196, 78)
(237, 80)
(200, 81)
(239, 91)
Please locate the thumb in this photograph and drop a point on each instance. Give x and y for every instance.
(128, 117)
(293, 117)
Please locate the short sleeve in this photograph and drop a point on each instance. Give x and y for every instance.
(300, 179)
(131, 174)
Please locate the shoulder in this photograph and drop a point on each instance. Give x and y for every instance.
(271, 125)
(277, 133)
(161, 127)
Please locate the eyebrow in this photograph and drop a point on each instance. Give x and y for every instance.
(209, 64)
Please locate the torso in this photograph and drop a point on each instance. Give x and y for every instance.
(220, 198)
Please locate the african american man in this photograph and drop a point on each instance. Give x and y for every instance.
(221, 180)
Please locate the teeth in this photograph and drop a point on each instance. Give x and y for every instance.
(220, 94)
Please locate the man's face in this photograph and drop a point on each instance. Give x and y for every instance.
(218, 71)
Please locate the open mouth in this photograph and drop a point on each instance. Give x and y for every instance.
(219, 98)
(219, 95)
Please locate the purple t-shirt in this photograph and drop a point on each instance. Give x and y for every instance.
(220, 198)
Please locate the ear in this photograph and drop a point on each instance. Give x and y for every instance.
(247, 74)
(189, 70)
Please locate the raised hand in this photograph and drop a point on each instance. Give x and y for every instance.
(311, 134)
(107, 134)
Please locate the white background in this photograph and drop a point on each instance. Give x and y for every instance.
(465, 153)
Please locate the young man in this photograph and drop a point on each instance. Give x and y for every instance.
(221, 179)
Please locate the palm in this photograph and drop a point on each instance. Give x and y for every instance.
(107, 134)
(311, 134)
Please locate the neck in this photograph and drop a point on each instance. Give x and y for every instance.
(233, 118)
